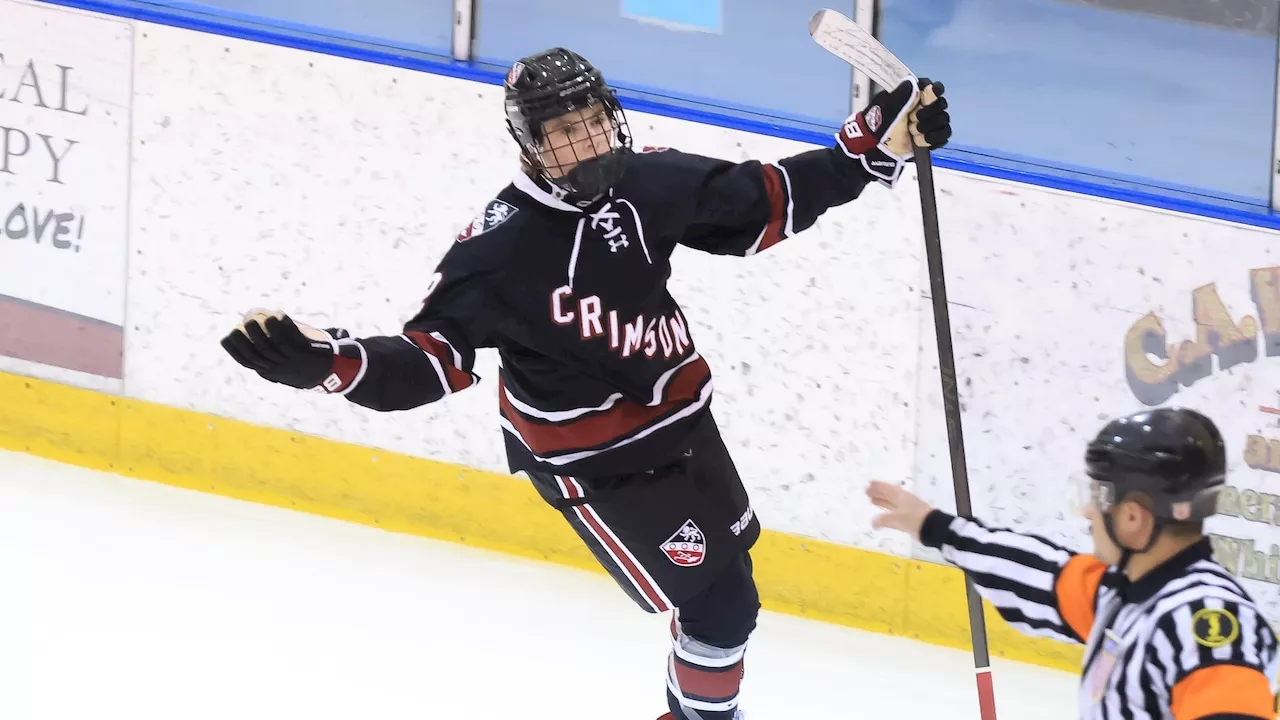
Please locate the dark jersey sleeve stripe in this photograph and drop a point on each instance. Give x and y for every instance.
(778, 189)
(745, 208)
(451, 361)
(403, 373)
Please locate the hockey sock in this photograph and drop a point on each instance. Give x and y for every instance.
(703, 680)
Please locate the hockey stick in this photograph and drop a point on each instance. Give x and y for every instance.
(845, 39)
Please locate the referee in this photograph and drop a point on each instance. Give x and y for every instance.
(1169, 634)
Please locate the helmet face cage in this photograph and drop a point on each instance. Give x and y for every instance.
(587, 123)
(585, 131)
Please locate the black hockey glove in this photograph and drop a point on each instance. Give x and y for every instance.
(881, 136)
(931, 123)
(299, 356)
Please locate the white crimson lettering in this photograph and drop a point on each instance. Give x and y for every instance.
(589, 309)
(680, 334)
(635, 336)
(557, 309)
(650, 339)
(663, 336)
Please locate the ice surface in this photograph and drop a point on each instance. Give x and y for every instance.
(123, 598)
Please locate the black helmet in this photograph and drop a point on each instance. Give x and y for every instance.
(547, 85)
(1174, 456)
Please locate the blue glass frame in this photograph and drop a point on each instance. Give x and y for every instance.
(196, 10)
(740, 66)
(1247, 214)
(1140, 96)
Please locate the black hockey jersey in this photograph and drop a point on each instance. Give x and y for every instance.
(599, 372)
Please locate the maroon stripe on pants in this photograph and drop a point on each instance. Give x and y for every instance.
(628, 566)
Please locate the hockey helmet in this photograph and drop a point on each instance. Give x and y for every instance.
(1173, 456)
(549, 85)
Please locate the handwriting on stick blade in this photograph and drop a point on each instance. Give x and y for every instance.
(844, 38)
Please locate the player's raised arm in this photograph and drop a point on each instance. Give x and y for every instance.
(432, 358)
(1039, 587)
(745, 208)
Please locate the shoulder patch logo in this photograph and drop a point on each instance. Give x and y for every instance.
(654, 149)
(1215, 627)
(493, 215)
(687, 547)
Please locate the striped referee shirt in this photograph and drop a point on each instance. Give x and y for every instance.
(1183, 642)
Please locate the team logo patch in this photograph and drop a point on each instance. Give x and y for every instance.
(874, 118)
(493, 215)
(1214, 628)
(687, 547)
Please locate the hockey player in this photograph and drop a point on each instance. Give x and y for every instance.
(603, 397)
(1168, 632)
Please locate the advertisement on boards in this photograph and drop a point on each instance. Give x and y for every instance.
(65, 96)
(1229, 367)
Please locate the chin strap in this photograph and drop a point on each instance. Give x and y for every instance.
(1127, 553)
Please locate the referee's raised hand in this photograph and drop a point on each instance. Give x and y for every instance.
(906, 511)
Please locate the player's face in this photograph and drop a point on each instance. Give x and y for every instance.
(574, 137)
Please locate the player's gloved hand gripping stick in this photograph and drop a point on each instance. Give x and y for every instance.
(884, 135)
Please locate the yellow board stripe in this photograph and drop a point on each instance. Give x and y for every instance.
(797, 575)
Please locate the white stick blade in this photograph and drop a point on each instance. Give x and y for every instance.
(845, 39)
(816, 22)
